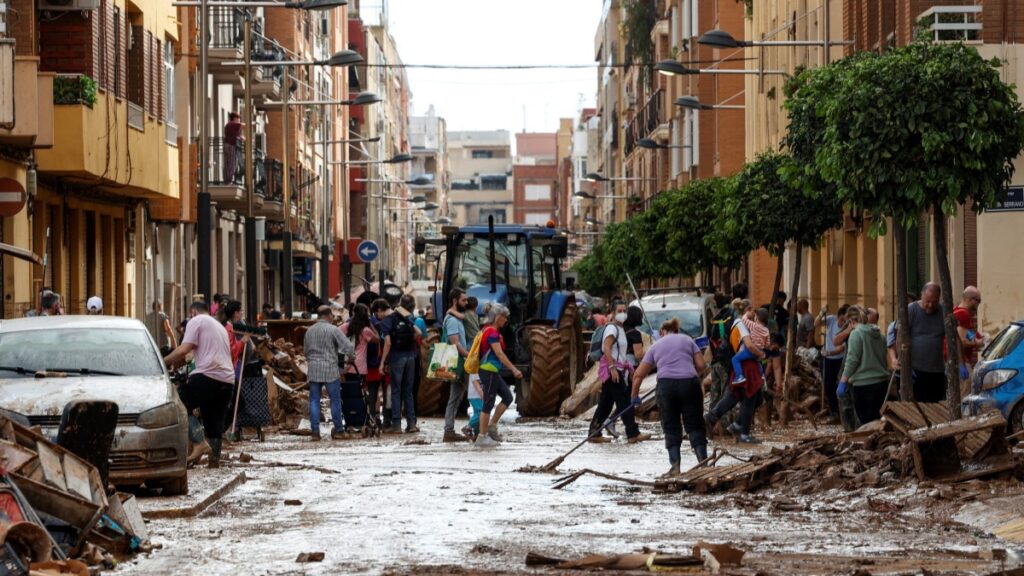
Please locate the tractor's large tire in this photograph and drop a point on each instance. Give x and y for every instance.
(432, 396)
(548, 381)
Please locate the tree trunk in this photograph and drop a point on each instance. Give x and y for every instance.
(952, 338)
(775, 288)
(791, 343)
(903, 322)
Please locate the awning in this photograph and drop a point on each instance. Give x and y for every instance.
(20, 253)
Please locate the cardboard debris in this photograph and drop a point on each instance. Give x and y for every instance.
(647, 561)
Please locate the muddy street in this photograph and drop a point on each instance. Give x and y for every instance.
(410, 504)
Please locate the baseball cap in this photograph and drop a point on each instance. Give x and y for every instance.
(94, 303)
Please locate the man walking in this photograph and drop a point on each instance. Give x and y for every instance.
(927, 334)
(324, 344)
(50, 304)
(805, 326)
(454, 333)
(399, 356)
(94, 306)
(971, 341)
(209, 385)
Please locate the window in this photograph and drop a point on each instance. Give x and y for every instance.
(499, 216)
(537, 218)
(483, 153)
(534, 192)
(169, 105)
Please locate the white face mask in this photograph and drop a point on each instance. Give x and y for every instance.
(620, 317)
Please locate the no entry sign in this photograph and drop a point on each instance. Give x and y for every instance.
(12, 196)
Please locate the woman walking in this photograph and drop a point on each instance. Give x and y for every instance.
(746, 391)
(361, 333)
(679, 363)
(492, 358)
(866, 370)
(614, 372)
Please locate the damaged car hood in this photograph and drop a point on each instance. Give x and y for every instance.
(48, 396)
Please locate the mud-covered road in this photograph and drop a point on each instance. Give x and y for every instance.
(410, 504)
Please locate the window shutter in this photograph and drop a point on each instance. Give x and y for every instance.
(158, 75)
(137, 68)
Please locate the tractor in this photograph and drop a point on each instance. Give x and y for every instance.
(518, 266)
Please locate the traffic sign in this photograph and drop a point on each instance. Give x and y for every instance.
(368, 251)
(12, 197)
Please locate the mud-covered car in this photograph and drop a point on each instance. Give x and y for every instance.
(998, 381)
(693, 311)
(47, 362)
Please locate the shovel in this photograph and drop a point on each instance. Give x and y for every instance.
(551, 466)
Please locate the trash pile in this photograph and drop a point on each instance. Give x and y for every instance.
(285, 369)
(56, 515)
(912, 440)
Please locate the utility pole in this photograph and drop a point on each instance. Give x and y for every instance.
(287, 277)
(203, 219)
(327, 235)
(251, 265)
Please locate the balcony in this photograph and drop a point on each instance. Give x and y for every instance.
(647, 120)
(226, 176)
(97, 148)
(26, 100)
(270, 186)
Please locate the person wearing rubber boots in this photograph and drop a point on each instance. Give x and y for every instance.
(679, 363)
(209, 385)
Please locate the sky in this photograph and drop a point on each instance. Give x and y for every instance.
(497, 32)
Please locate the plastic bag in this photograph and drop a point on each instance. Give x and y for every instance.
(444, 362)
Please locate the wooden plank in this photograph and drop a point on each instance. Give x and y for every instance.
(964, 425)
(53, 469)
(76, 473)
(198, 508)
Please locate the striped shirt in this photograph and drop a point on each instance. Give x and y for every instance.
(322, 344)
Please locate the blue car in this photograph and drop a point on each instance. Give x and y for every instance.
(998, 382)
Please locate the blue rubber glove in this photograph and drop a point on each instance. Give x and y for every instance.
(637, 402)
(841, 390)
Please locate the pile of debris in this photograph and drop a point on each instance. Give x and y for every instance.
(54, 507)
(912, 440)
(285, 368)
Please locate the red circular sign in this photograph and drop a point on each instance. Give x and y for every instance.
(12, 197)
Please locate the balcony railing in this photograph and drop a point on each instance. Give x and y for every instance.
(270, 180)
(227, 165)
(226, 27)
(646, 121)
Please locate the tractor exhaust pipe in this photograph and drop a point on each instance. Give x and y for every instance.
(493, 259)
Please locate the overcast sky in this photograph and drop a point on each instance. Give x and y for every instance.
(498, 32)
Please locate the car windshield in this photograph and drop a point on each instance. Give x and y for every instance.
(82, 350)
(689, 321)
(1004, 343)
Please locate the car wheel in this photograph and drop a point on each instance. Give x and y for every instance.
(175, 486)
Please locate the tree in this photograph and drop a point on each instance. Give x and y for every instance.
(686, 226)
(591, 275)
(926, 127)
(767, 211)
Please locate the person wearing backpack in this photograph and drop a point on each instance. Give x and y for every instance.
(614, 373)
(399, 360)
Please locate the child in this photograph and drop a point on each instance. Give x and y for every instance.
(759, 337)
(476, 401)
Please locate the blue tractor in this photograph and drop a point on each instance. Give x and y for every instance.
(520, 267)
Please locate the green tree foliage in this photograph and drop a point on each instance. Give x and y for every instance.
(687, 226)
(921, 128)
(591, 275)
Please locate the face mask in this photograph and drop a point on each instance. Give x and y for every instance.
(620, 317)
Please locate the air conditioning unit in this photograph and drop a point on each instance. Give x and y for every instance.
(68, 5)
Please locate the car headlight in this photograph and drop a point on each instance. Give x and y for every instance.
(159, 417)
(996, 378)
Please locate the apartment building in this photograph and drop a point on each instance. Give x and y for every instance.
(535, 178)
(98, 72)
(481, 166)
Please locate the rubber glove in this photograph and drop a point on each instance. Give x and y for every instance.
(637, 402)
(841, 390)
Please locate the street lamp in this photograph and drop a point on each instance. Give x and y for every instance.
(595, 177)
(396, 159)
(693, 103)
(351, 141)
(591, 221)
(722, 39)
(673, 68)
(585, 196)
(651, 144)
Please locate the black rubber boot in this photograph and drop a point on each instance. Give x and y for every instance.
(674, 456)
(215, 446)
(701, 452)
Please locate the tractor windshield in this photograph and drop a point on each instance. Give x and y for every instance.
(473, 265)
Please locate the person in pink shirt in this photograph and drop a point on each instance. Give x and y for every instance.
(209, 385)
(361, 333)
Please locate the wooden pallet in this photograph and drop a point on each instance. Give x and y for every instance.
(941, 450)
(745, 476)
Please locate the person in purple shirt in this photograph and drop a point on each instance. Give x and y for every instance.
(679, 363)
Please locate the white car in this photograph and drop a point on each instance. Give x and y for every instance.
(99, 358)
